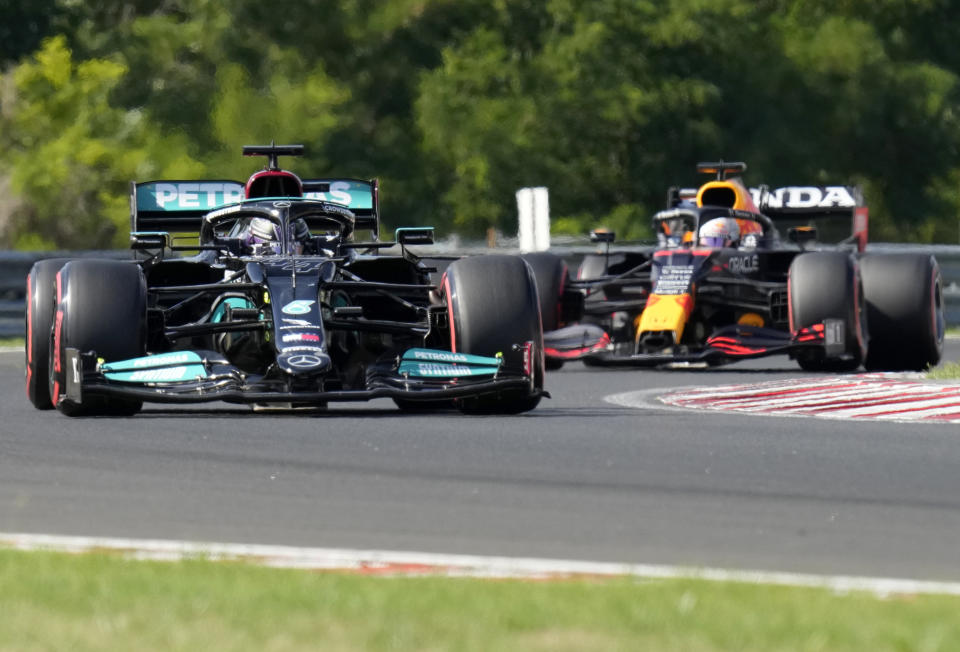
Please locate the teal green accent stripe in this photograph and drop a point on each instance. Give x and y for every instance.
(448, 357)
(182, 373)
(352, 193)
(173, 196)
(233, 302)
(441, 370)
(151, 361)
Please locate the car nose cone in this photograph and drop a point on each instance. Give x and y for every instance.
(304, 362)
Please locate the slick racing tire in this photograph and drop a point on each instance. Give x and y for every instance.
(904, 297)
(551, 273)
(826, 285)
(41, 294)
(100, 306)
(493, 305)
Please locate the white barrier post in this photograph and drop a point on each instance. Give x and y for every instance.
(525, 219)
(541, 218)
(533, 211)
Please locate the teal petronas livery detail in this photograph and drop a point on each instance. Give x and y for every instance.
(173, 367)
(430, 363)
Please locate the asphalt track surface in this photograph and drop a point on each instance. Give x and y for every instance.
(578, 478)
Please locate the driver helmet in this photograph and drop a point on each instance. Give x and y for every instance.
(262, 232)
(720, 232)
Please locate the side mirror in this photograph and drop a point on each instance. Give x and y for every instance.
(149, 240)
(415, 235)
(603, 236)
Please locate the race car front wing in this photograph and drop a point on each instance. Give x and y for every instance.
(203, 377)
(735, 342)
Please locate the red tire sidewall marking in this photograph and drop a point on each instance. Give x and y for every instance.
(445, 282)
(29, 333)
(934, 322)
(57, 335)
(790, 318)
(861, 343)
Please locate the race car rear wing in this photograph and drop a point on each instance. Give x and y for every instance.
(360, 196)
(179, 206)
(801, 205)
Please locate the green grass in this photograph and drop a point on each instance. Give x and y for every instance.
(11, 342)
(945, 371)
(52, 601)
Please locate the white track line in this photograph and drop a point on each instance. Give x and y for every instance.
(390, 562)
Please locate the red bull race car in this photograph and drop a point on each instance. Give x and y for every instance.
(722, 284)
(280, 306)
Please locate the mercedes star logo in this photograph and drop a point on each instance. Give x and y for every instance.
(304, 361)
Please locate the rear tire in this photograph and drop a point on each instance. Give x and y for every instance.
(904, 298)
(826, 285)
(493, 305)
(100, 306)
(551, 274)
(41, 295)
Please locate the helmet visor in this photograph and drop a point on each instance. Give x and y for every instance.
(713, 241)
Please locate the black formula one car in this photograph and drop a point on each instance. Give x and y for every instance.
(720, 286)
(281, 307)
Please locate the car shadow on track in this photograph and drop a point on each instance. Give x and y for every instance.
(545, 412)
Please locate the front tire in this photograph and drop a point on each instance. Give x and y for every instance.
(41, 296)
(904, 298)
(826, 285)
(493, 306)
(100, 306)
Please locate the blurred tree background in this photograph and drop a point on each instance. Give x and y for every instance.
(455, 104)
